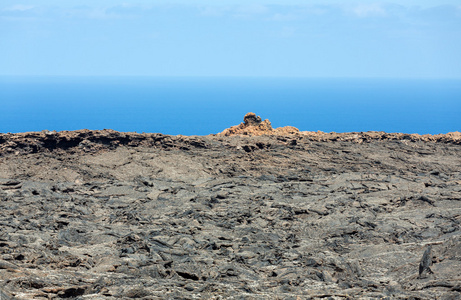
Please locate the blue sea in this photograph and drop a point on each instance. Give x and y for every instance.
(200, 106)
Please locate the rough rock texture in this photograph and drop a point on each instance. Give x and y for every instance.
(253, 125)
(103, 214)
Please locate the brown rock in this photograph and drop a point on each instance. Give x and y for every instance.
(252, 125)
(251, 119)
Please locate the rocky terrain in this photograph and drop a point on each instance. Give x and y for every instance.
(256, 213)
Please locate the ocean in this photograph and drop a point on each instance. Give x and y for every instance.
(201, 106)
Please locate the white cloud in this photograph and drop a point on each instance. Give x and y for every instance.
(18, 7)
(253, 9)
(368, 10)
(297, 12)
(120, 11)
(237, 11)
(249, 11)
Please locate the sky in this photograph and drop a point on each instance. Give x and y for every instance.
(276, 38)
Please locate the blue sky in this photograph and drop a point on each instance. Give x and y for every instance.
(409, 39)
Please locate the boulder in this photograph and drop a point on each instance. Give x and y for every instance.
(253, 125)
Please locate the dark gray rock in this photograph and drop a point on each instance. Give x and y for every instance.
(114, 215)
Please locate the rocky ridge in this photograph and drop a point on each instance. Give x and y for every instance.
(307, 215)
(253, 125)
(99, 140)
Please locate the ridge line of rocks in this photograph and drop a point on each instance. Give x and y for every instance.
(96, 140)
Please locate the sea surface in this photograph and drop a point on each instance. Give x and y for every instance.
(200, 106)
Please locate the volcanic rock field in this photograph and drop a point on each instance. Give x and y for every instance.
(110, 215)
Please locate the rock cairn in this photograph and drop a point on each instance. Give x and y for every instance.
(253, 125)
